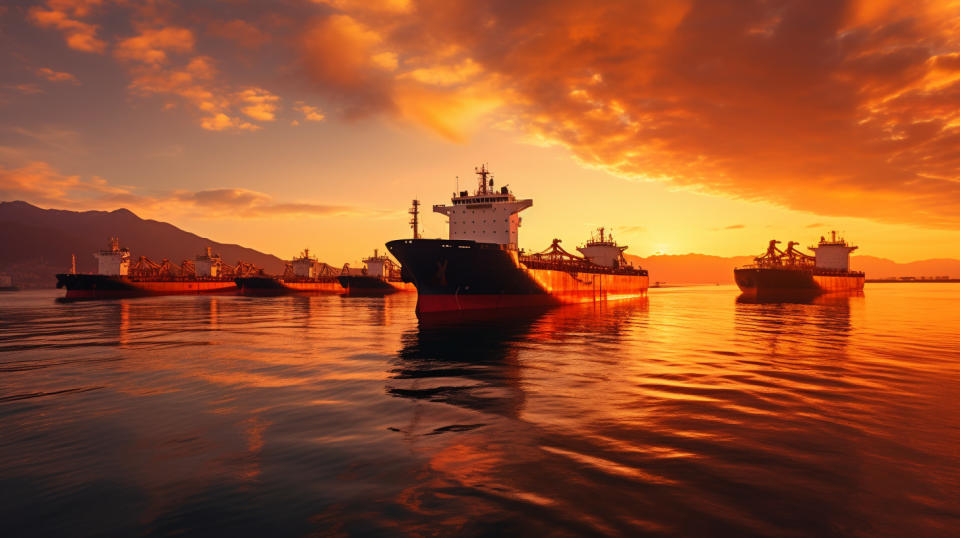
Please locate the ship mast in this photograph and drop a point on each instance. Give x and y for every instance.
(415, 218)
(483, 173)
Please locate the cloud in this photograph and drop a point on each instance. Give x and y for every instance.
(735, 227)
(839, 108)
(847, 107)
(196, 83)
(25, 89)
(221, 122)
(152, 44)
(56, 76)
(240, 32)
(310, 113)
(816, 225)
(63, 15)
(259, 104)
(39, 183)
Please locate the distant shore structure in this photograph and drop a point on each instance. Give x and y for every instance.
(913, 279)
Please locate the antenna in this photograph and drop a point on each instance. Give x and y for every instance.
(415, 218)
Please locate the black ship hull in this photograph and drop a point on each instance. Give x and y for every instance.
(272, 285)
(83, 286)
(775, 281)
(459, 275)
(371, 286)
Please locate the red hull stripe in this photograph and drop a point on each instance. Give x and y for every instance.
(154, 288)
(446, 303)
(393, 287)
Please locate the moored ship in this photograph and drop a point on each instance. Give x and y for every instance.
(118, 277)
(380, 276)
(303, 274)
(790, 272)
(480, 267)
(6, 283)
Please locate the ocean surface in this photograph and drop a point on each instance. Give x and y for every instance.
(687, 413)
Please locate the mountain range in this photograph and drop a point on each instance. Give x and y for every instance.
(36, 243)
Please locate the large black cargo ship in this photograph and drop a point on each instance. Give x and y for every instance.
(118, 277)
(479, 266)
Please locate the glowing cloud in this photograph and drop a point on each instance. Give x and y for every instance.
(56, 76)
(310, 113)
(63, 15)
(152, 45)
(40, 183)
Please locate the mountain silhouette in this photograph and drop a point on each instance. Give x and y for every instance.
(36, 243)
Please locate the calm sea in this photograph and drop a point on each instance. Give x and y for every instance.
(687, 413)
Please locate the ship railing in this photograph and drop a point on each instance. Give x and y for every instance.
(802, 267)
(578, 266)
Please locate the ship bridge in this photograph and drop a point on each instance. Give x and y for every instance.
(833, 254)
(486, 216)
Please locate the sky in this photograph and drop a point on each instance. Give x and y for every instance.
(707, 127)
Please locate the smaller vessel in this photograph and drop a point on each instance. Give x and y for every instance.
(779, 272)
(303, 274)
(380, 276)
(117, 276)
(6, 283)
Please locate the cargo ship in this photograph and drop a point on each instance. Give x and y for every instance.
(380, 276)
(6, 283)
(303, 274)
(480, 267)
(118, 277)
(791, 272)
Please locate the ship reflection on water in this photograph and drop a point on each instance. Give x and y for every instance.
(685, 413)
(469, 364)
(825, 299)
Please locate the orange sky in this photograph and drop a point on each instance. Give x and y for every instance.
(685, 126)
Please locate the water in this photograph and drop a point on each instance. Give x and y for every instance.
(688, 413)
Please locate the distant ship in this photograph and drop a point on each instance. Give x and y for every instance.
(791, 271)
(6, 283)
(479, 266)
(380, 276)
(118, 277)
(303, 274)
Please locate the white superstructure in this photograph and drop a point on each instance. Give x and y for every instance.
(306, 266)
(603, 251)
(208, 265)
(380, 266)
(487, 216)
(113, 261)
(833, 254)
